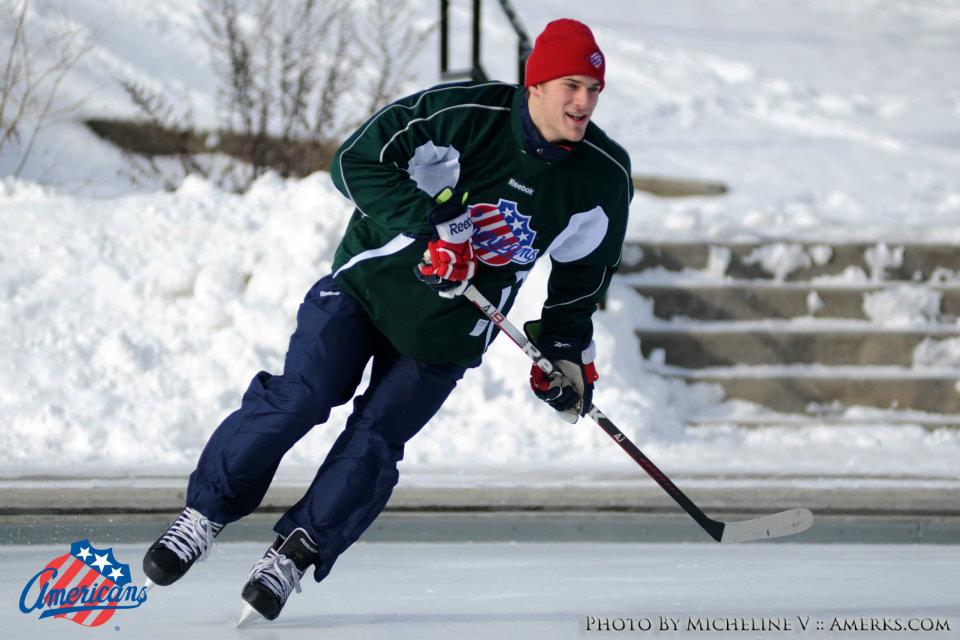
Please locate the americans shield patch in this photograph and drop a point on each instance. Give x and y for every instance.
(501, 234)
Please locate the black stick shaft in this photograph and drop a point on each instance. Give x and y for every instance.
(711, 526)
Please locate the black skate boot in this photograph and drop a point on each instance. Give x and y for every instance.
(184, 542)
(275, 576)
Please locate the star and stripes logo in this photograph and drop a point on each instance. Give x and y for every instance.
(501, 234)
(85, 586)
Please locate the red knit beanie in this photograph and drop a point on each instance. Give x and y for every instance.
(565, 48)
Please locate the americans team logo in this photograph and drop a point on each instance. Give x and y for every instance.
(501, 234)
(86, 586)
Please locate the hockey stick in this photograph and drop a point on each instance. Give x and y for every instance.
(776, 525)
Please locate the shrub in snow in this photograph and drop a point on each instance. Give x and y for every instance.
(31, 79)
(293, 78)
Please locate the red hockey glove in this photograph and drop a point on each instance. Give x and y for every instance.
(449, 261)
(569, 389)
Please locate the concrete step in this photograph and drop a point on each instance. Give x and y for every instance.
(727, 321)
(724, 345)
(745, 261)
(790, 392)
(742, 300)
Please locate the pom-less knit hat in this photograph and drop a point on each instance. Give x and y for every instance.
(565, 48)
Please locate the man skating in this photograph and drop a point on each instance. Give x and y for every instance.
(459, 183)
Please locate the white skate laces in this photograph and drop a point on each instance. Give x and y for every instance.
(278, 573)
(191, 535)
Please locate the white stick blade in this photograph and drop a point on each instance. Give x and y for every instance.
(776, 525)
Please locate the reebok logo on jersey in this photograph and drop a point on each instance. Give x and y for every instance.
(324, 294)
(520, 187)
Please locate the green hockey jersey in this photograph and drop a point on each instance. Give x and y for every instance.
(469, 136)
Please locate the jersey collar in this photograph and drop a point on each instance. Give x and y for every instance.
(528, 137)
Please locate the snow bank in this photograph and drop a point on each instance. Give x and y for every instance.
(132, 326)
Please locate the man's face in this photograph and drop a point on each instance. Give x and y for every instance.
(561, 108)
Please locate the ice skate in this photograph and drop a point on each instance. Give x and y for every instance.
(184, 542)
(274, 577)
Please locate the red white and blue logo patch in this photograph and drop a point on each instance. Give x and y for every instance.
(86, 586)
(596, 59)
(501, 234)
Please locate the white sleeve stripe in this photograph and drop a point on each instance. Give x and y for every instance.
(587, 295)
(384, 110)
(431, 116)
(398, 243)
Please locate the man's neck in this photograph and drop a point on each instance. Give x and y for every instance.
(536, 142)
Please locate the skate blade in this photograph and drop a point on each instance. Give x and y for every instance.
(249, 614)
(149, 584)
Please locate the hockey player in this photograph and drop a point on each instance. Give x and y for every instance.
(460, 183)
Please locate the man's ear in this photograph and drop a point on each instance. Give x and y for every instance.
(535, 90)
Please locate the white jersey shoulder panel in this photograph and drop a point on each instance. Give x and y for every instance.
(434, 168)
(583, 235)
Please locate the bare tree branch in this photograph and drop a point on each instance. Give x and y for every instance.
(71, 49)
(29, 92)
(11, 70)
(283, 70)
(390, 42)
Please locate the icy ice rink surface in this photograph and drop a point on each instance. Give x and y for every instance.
(425, 591)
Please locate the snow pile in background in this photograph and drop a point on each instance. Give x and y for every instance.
(133, 325)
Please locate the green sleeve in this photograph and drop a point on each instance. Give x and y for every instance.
(576, 288)
(573, 294)
(397, 161)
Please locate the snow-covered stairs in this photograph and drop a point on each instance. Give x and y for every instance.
(807, 328)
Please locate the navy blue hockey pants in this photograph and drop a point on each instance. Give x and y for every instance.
(328, 352)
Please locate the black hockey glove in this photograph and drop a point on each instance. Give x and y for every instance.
(449, 261)
(569, 389)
